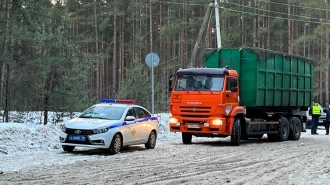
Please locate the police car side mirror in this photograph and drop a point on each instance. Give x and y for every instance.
(130, 118)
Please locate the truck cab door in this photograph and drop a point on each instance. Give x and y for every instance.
(231, 95)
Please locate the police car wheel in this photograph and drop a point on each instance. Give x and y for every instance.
(116, 144)
(151, 141)
(68, 148)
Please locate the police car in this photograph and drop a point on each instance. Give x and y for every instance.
(111, 124)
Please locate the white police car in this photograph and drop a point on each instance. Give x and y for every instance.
(111, 124)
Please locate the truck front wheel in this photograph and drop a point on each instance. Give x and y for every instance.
(236, 133)
(186, 138)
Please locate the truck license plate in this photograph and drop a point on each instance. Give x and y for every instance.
(193, 126)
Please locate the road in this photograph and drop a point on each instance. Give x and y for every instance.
(206, 161)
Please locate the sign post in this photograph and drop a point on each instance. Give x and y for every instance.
(152, 60)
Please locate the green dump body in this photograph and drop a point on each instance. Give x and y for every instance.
(267, 78)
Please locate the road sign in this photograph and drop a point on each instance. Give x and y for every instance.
(152, 59)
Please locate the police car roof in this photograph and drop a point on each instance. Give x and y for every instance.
(124, 105)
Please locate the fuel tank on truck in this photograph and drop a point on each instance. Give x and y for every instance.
(268, 79)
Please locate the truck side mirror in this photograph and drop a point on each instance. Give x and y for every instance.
(170, 82)
(233, 89)
(233, 82)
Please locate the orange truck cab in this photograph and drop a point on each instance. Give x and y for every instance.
(205, 102)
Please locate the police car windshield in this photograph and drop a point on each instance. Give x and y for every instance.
(199, 83)
(103, 112)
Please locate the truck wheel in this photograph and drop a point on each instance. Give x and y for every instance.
(236, 133)
(295, 128)
(283, 131)
(186, 138)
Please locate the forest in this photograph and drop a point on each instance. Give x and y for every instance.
(64, 55)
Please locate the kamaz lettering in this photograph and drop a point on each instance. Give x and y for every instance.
(195, 103)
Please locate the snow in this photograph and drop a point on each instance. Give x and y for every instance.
(30, 138)
(26, 144)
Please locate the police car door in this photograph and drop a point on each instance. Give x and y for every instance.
(131, 131)
(144, 119)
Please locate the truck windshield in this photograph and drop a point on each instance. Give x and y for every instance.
(199, 83)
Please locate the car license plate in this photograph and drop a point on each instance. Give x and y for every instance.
(193, 126)
(77, 138)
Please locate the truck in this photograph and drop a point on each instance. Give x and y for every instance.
(242, 93)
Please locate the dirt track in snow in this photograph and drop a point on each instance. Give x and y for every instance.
(206, 161)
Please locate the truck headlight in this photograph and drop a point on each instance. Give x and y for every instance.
(217, 122)
(100, 130)
(173, 120)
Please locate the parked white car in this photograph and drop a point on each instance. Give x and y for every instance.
(110, 124)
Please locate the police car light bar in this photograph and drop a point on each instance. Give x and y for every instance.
(117, 101)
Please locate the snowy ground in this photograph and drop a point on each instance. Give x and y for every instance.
(30, 154)
(33, 144)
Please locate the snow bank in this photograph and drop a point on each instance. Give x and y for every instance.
(18, 137)
(27, 134)
(163, 127)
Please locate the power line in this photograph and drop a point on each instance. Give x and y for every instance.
(307, 21)
(304, 7)
(299, 20)
(193, 4)
(275, 11)
(172, 59)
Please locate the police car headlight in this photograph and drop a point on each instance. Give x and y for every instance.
(63, 128)
(100, 130)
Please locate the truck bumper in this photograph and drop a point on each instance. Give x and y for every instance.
(200, 126)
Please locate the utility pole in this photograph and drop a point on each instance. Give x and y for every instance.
(217, 22)
(202, 31)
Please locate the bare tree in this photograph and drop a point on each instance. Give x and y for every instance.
(327, 60)
(114, 56)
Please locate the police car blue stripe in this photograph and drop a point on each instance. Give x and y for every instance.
(136, 121)
(117, 125)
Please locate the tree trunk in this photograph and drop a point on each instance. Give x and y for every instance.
(268, 28)
(289, 31)
(254, 31)
(6, 107)
(321, 76)
(4, 68)
(114, 56)
(150, 30)
(99, 75)
(327, 59)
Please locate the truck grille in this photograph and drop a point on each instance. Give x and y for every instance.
(195, 111)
